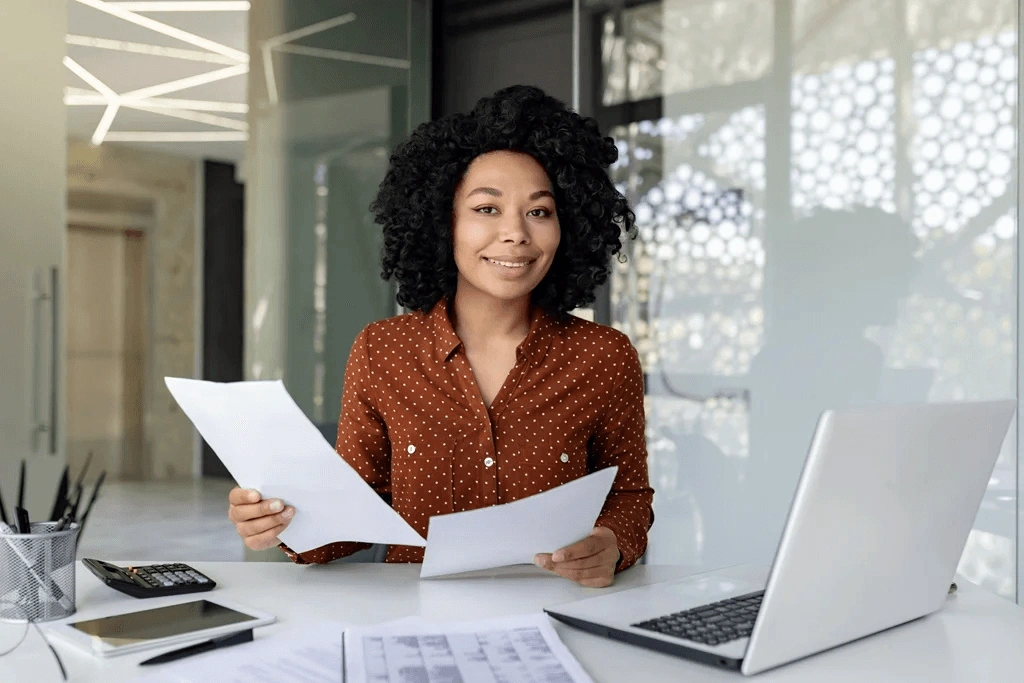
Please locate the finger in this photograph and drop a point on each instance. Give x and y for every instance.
(242, 513)
(259, 525)
(240, 496)
(543, 560)
(591, 545)
(268, 539)
(608, 556)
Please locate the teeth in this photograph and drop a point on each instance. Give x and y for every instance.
(508, 264)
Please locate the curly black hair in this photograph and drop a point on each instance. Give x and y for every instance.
(415, 201)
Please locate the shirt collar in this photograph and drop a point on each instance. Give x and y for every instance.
(543, 330)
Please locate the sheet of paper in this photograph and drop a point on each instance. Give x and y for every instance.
(520, 649)
(308, 655)
(513, 533)
(267, 443)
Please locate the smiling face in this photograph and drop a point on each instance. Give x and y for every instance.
(504, 227)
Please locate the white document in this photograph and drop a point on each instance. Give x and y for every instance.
(267, 443)
(309, 655)
(521, 649)
(513, 533)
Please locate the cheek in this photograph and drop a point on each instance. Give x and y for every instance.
(468, 238)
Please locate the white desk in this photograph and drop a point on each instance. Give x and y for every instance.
(977, 637)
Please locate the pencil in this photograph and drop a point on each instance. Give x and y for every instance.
(21, 485)
(61, 501)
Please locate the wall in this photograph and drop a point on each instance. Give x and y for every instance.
(32, 227)
(481, 57)
(169, 182)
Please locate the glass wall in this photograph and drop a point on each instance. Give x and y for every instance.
(333, 87)
(826, 192)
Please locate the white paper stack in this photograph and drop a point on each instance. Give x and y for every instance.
(268, 444)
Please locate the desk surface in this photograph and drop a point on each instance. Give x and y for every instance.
(976, 637)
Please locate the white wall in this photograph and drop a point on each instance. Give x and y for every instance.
(32, 224)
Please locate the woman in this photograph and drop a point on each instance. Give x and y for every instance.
(496, 225)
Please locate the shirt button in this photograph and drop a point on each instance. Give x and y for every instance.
(411, 449)
(488, 462)
(564, 458)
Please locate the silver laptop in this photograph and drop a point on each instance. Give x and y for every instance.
(886, 499)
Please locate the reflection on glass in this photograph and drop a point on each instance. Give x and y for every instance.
(875, 262)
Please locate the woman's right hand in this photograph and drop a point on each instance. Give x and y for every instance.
(258, 521)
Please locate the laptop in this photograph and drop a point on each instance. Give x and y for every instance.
(885, 502)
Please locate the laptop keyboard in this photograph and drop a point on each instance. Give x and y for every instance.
(714, 624)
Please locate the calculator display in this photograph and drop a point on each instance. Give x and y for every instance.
(162, 622)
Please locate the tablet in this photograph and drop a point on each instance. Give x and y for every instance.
(128, 632)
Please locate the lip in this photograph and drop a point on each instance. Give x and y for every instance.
(509, 261)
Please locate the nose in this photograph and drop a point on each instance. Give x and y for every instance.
(514, 230)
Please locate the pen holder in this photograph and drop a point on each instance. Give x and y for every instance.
(37, 573)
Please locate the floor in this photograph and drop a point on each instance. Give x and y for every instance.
(184, 521)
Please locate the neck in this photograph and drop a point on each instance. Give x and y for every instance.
(478, 318)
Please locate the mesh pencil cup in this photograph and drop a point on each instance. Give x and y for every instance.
(37, 573)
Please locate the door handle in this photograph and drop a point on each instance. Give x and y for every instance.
(45, 293)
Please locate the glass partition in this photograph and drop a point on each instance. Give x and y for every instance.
(333, 87)
(826, 195)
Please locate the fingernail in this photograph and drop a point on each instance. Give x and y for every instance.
(254, 495)
(287, 514)
(276, 506)
(557, 557)
(536, 560)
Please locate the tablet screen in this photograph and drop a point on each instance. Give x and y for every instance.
(161, 622)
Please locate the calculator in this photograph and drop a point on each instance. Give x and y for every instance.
(151, 581)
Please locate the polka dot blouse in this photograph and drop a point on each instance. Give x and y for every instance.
(414, 425)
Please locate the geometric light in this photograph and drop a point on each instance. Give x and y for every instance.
(146, 49)
(167, 30)
(187, 6)
(205, 136)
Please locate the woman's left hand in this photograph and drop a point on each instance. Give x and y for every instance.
(591, 562)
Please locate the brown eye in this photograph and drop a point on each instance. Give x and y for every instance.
(540, 213)
(486, 210)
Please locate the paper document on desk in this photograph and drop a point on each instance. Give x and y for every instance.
(311, 654)
(521, 649)
(268, 444)
(513, 533)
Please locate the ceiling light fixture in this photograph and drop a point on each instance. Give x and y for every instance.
(107, 93)
(105, 121)
(196, 6)
(80, 97)
(98, 85)
(167, 30)
(146, 49)
(345, 56)
(147, 136)
(268, 46)
(185, 83)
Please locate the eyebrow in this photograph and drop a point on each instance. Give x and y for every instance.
(497, 193)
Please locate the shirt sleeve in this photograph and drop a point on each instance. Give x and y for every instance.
(362, 441)
(620, 440)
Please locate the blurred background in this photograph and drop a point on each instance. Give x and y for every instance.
(826, 193)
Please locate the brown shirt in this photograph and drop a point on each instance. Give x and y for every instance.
(414, 425)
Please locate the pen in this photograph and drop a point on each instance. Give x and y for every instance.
(3, 510)
(77, 501)
(198, 648)
(61, 500)
(21, 485)
(24, 525)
